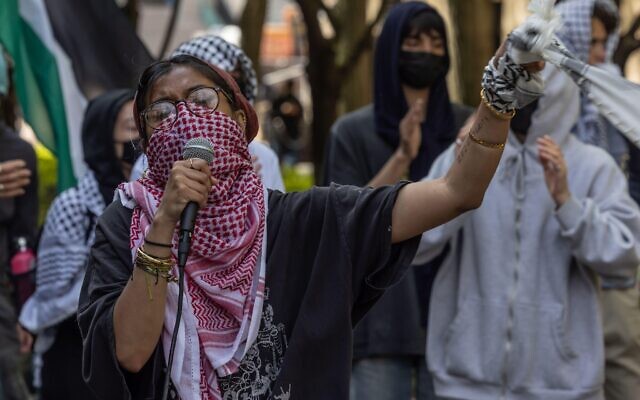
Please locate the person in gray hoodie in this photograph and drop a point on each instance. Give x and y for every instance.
(590, 31)
(514, 308)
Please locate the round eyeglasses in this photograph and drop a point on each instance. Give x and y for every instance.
(200, 102)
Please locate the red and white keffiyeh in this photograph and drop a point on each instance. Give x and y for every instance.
(224, 275)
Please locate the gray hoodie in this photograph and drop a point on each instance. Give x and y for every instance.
(514, 308)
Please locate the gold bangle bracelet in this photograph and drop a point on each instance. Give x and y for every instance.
(160, 262)
(158, 273)
(498, 114)
(484, 143)
(142, 263)
(154, 272)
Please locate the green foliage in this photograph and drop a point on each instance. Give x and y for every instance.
(47, 180)
(298, 177)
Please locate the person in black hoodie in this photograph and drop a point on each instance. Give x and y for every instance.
(410, 122)
(109, 139)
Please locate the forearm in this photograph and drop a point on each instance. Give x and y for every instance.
(603, 237)
(393, 170)
(475, 164)
(427, 204)
(139, 312)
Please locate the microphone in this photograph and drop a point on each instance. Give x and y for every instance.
(194, 148)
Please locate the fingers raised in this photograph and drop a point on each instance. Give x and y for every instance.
(12, 165)
(15, 174)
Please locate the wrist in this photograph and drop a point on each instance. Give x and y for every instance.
(561, 198)
(402, 158)
(162, 227)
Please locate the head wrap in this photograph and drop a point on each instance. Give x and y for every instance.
(252, 125)
(576, 26)
(390, 103)
(97, 140)
(218, 52)
(576, 36)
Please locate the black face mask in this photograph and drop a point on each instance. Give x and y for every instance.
(521, 122)
(419, 69)
(131, 151)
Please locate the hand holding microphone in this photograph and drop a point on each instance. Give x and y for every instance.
(190, 180)
(186, 191)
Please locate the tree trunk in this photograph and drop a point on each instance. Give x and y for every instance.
(358, 84)
(335, 62)
(325, 89)
(170, 28)
(478, 32)
(251, 24)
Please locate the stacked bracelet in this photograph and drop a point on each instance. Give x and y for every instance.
(154, 266)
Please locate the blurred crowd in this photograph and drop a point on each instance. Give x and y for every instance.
(534, 293)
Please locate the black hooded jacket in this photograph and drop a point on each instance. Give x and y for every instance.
(361, 143)
(98, 143)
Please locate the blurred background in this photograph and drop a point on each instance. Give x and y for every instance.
(325, 48)
(315, 53)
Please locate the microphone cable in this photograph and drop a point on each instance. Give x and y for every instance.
(174, 335)
(201, 148)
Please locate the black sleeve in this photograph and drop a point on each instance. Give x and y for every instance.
(342, 158)
(25, 220)
(108, 271)
(365, 219)
(342, 235)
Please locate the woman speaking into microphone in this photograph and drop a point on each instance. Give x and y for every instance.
(274, 282)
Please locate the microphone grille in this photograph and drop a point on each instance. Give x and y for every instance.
(199, 147)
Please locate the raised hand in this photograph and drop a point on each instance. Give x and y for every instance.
(14, 176)
(555, 170)
(410, 132)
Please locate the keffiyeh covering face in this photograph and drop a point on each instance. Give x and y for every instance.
(224, 276)
(222, 54)
(576, 36)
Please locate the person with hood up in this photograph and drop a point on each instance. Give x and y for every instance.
(410, 122)
(515, 310)
(590, 31)
(218, 52)
(110, 141)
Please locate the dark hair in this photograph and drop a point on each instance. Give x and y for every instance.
(607, 16)
(9, 102)
(160, 68)
(424, 22)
